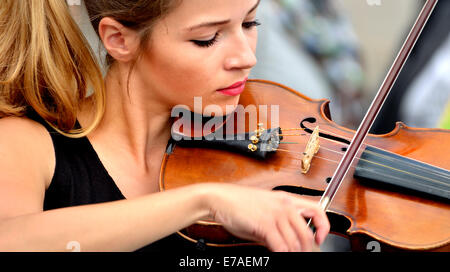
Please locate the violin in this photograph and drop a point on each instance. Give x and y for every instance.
(366, 208)
(392, 189)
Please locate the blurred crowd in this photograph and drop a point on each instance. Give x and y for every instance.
(421, 94)
(311, 46)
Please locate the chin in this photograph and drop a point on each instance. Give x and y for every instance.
(221, 109)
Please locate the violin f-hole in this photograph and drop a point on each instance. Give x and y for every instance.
(299, 190)
(313, 120)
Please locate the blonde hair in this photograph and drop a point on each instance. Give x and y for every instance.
(47, 65)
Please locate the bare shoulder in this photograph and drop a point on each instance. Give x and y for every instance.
(27, 163)
(24, 141)
(17, 125)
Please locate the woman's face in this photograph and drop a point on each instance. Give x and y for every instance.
(198, 49)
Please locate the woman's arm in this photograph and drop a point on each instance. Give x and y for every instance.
(272, 218)
(27, 164)
(124, 225)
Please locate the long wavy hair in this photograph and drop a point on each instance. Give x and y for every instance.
(47, 65)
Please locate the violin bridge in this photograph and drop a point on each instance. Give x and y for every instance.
(312, 147)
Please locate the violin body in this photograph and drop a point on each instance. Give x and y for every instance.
(396, 219)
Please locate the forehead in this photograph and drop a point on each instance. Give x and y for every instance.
(197, 11)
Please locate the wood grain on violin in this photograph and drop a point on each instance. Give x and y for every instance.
(398, 217)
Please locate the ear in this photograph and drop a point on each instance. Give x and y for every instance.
(120, 42)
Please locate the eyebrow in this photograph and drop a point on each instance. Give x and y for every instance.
(211, 24)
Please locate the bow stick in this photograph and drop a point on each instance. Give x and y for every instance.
(376, 105)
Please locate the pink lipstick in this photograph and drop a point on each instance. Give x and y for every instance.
(235, 89)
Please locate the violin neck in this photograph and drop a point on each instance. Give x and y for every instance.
(380, 167)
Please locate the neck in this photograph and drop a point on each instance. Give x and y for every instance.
(133, 123)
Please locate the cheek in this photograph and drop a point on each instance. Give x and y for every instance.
(189, 77)
(176, 78)
(177, 74)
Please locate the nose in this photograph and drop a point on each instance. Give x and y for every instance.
(241, 53)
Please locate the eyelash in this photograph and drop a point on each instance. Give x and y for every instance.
(209, 43)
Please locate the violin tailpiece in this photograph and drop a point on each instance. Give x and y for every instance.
(258, 144)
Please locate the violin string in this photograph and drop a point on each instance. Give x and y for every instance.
(341, 153)
(392, 168)
(376, 154)
(352, 166)
(320, 130)
(290, 151)
(303, 134)
(302, 153)
(379, 164)
(444, 175)
(289, 129)
(408, 173)
(414, 166)
(418, 167)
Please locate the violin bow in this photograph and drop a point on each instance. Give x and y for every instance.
(376, 105)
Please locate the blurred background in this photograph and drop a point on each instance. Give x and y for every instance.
(342, 50)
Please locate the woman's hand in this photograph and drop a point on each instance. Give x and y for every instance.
(274, 218)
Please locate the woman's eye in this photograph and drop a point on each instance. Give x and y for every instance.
(248, 25)
(206, 43)
(209, 43)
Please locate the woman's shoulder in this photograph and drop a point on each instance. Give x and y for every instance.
(21, 123)
(24, 141)
(23, 130)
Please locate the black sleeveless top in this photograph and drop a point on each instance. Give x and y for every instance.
(80, 178)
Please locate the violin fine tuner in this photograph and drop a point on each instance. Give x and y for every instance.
(256, 138)
(312, 147)
(260, 130)
(252, 147)
(264, 140)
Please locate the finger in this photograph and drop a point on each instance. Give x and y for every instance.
(289, 233)
(321, 223)
(313, 210)
(275, 241)
(304, 234)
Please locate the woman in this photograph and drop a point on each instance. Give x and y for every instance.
(100, 188)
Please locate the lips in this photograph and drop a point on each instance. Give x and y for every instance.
(235, 89)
